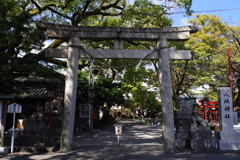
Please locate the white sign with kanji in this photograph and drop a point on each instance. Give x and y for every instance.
(14, 108)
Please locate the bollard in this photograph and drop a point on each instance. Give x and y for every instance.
(118, 132)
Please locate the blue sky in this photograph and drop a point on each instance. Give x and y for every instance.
(232, 15)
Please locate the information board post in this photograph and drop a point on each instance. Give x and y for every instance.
(14, 108)
(118, 132)
(13, 132)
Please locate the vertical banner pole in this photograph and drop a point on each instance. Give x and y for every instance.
(230, 67)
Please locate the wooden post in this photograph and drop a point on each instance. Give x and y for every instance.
(166, 96)
(70, 95)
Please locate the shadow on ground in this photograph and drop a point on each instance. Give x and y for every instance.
(138, 142)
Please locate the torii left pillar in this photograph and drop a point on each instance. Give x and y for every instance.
(70, 94)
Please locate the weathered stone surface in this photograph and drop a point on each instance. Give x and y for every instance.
(184, 109)
(229, 145)
(197, 121)
(182, 129)
(225, 109)
(61, 34)
(228, 138)
(190, 128)
(182, 121)
(166, 94)
(118, 54)
(45, 26)
(202, 139)
(70, 95)
(228, 135)
(58, 31)
(235, 118)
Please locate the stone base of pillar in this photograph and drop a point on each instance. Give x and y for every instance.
(228, 140)
(230, 135)
(208, 144)
(229, 145)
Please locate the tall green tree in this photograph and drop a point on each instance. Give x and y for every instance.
(141, 13)
(209, 63)
(21, 43)
(210, 53)
(234, 49)
(19, 40)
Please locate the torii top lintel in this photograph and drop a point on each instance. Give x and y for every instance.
(58, 31)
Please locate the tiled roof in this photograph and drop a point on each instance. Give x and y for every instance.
(7, 96)
(32, 91)
(33, 87)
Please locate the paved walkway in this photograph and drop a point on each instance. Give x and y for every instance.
(138, 142)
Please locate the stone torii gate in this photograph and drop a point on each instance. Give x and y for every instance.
(74, 51)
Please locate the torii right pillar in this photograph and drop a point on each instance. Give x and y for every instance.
(166, 95)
